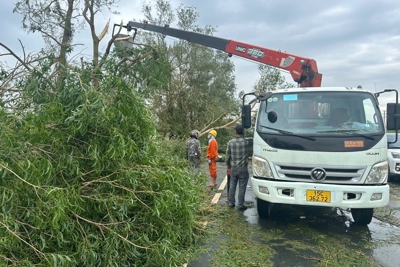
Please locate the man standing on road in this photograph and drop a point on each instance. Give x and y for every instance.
(237, 159)
(193, 152)
(212, 156)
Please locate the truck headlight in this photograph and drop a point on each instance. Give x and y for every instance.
(395, 155)
(378, 173)
(261, 168)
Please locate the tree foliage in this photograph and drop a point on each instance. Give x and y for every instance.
(86, 183)
(271, 79)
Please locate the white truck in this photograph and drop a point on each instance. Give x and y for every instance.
(312, 145)
(320, 146)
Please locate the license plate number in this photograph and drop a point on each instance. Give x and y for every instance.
(318, 196)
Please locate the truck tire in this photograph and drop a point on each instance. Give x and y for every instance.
(362, 216)
(264, 208)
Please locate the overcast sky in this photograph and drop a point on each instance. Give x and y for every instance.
(354, 42)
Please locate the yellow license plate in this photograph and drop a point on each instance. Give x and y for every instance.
(318, 196)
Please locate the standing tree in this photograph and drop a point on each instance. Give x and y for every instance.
(57, 21)
(200, 92)
(271, 79)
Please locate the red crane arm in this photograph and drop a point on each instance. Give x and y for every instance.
(303, 70)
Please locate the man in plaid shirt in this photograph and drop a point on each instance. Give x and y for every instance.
(237, 159)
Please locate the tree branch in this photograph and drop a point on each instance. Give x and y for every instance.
(20, 238)
(105, 30)
(101, 225)
(110, 43)
(206, 129)
(17, 57)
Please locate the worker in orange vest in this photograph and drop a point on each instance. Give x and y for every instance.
(212, 156)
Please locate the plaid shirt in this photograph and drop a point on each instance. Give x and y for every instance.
(237, 153)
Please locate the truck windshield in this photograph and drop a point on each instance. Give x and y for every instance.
(321, 113)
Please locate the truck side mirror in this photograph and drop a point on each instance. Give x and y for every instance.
(246, 116)
(392, 119)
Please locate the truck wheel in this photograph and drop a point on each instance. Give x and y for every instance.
(264, 208)
(362, 216)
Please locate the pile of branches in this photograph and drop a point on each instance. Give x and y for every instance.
(86, 182)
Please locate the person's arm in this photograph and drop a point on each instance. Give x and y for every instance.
(214, 150)
(228, 155)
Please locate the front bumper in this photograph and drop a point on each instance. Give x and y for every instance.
(342, 196)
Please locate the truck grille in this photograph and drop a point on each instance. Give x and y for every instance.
(342, 174)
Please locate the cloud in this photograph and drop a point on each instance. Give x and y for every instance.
(13, 36)
(230, 8)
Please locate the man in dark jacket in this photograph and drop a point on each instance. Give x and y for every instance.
(193, 151)
(237, 159)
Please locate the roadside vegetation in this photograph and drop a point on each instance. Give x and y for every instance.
(86, 181)
(92, 147)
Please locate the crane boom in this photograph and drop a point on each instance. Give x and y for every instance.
(303, 70)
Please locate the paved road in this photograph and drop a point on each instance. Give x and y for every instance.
(382, 232)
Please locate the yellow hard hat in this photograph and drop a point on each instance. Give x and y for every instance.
(213, 132)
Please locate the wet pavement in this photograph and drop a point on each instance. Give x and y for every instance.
(382, 234)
